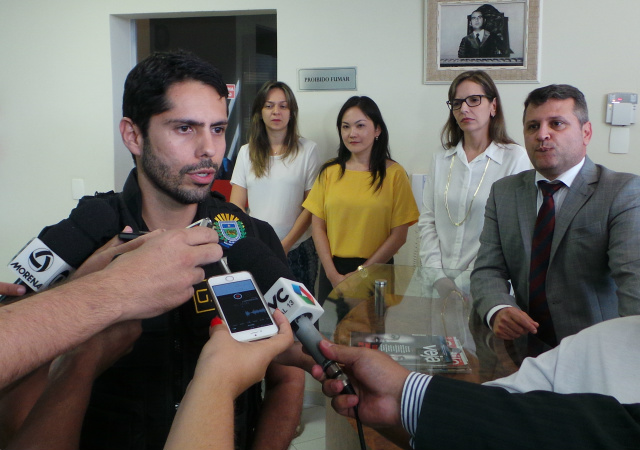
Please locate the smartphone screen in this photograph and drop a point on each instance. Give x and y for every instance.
(242, 307)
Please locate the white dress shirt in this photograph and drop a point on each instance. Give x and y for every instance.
(443, 245)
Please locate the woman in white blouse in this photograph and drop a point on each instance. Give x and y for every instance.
(476, 152)
(273, 174)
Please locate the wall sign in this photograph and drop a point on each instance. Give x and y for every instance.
(327, 79)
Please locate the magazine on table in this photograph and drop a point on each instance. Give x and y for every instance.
(417, 352)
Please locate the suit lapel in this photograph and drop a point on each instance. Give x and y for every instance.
(473, 41)
(580, 191)
(526, 195)
(485, 37)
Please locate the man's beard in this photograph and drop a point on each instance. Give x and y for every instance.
(161, 176)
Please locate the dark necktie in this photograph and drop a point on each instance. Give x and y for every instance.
(478, 38)
(540, 252)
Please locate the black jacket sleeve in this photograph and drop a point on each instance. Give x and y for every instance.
(266, 234)
(460, 415)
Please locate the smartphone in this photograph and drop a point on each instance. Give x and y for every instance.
(242, 306)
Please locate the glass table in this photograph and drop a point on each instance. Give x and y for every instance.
(416, 300)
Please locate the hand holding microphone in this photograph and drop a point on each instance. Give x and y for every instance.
(290, 297)
(60, 249)
(11, 289)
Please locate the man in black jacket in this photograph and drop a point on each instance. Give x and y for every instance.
(174, 122)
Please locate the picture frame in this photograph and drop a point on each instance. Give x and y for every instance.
(501, 37)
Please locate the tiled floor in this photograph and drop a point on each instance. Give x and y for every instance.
(313, 418)
(312, 438)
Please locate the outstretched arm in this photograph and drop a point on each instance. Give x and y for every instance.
(225, 369)
(281, 408)
(492, 417)
(43, 326)
(56, 418)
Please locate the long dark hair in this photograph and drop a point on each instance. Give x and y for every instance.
(452, 134)
(380, 150)
(259, 145)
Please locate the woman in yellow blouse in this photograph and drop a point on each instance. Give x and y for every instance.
(361, 202)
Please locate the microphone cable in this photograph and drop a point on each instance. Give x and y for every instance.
(348, 388)
(363, 444)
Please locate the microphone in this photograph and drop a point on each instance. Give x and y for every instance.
(290, 297)
(61, 248)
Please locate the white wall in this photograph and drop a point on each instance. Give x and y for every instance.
(57, 109)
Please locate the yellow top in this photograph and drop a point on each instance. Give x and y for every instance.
(359, 219)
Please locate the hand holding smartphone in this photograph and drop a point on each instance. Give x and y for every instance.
(241, 305)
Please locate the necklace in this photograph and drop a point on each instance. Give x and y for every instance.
(274, 152)
(446, 191)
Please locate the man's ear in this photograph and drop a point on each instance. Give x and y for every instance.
(131, 136)
(587, 132)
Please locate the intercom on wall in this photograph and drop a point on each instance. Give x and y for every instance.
(621, 108)
(621, 112)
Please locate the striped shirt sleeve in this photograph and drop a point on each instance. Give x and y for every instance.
(411, 403)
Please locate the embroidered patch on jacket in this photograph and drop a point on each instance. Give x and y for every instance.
(230, 229)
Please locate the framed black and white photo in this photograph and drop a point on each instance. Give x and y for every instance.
(501, 37)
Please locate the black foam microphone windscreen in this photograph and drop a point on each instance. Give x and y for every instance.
(90, 225)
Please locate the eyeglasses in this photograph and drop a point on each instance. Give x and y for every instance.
(472, 101)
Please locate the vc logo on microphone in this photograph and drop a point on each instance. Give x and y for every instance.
(281, 297)
(41, 260)
(303, 293)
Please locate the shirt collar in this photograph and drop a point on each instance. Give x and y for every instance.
(133, 199)
(494, 151)
(566, 177)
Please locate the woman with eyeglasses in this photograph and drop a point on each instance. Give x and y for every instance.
(476, 152)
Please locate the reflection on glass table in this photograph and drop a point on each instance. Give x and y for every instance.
(415, 301)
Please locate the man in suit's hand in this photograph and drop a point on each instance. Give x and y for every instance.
(510, 323)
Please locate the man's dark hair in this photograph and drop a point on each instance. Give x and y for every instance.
(559, 92)
(147, 84)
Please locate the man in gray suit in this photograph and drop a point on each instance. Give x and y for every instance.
(593, 269)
